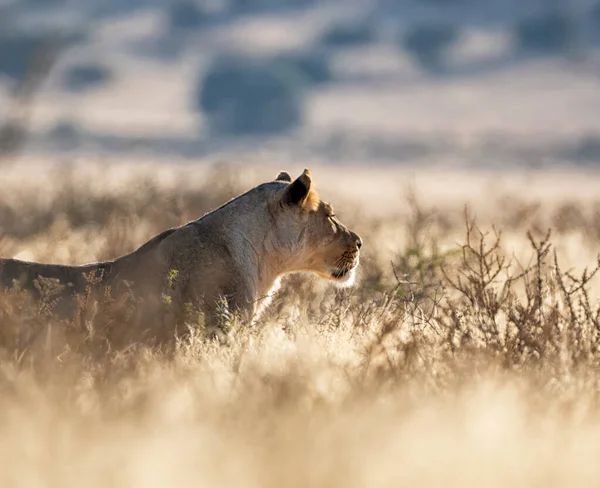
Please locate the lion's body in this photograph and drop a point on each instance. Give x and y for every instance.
(237, 253)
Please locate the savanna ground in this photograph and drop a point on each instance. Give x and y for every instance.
(467, 354)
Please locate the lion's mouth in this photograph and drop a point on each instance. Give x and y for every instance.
(345, 271)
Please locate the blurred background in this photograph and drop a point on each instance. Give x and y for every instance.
(492, 83)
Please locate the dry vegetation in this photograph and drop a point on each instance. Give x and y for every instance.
(463, 357)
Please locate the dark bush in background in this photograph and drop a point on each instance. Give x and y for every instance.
(429, 43)
(186, 15)
(21, 52)
(66, 134)
(249, 6)
(587, 149)
(86, 76)
(349, 34)
(594, 16)
(548, 33)
(240, 96)
(313, 67)
(243, 6)
(17, 52)
(442, 3)
(595, 13)
(43, 2)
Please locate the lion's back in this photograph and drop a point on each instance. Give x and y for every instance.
(25, 274)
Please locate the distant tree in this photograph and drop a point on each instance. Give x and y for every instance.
(551, 32)
(65, 134)
(429, 43)
(352, 34)
(186, 14)
(595, 18)
(86, 76)
(17, 52)
(28, 74)
(44, 2)
(595, 12)
(588, 148)
(240, 96)
(313, 67)
(248, 6)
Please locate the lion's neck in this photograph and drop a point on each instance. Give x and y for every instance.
(267, 263)
(259, 256)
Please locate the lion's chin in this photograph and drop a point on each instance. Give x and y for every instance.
(344, 277)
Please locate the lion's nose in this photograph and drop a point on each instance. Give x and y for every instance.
(357, 240)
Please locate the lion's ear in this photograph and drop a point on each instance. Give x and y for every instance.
(284, 176)
(297, 192)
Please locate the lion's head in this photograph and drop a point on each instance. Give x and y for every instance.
(309, 232)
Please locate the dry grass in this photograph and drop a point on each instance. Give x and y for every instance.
(463, 357)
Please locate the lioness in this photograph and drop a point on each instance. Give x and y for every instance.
(236, 253)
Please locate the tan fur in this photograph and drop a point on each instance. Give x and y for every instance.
(236, 253)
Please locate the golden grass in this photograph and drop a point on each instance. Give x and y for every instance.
(459, 359)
